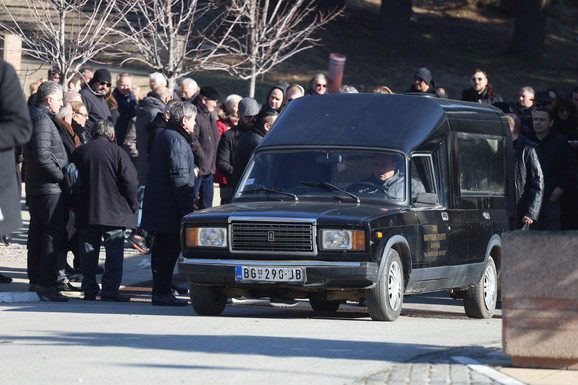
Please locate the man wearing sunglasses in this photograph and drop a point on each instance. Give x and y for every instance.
(481, 90)
(94, 98)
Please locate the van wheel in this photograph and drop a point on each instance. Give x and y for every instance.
(207, 300)
(480, 300)
(319, 304)
(384, 301)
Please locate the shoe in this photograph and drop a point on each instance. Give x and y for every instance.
(138, 242)
(362, 302)
(67, 287)
(179, 289)
(5, 279)
(114, 298)
(50, 294)
(89, 297)
(6, 239)
(168, 300)
(280, 302)
(100, 270)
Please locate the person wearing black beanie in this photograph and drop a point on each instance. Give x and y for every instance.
(94, 98)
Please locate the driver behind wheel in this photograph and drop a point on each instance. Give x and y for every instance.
(386, 178)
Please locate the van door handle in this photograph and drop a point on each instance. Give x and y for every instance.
(486, 215)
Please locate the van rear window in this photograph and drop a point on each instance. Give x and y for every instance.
(481, 162)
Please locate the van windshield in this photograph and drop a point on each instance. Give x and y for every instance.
(346, 175)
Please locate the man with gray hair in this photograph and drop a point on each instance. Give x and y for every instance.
(105, 206)
(44, 158)
(189, 90)
(169, 195)
(156, 80)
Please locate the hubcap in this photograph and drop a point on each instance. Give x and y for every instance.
(490, 287)
(394, 286)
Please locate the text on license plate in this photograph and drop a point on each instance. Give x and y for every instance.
(269, 274)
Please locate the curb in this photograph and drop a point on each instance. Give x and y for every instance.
(11, 297)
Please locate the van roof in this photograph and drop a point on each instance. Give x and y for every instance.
(402, 122)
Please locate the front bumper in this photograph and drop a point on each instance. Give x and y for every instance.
(318, 274)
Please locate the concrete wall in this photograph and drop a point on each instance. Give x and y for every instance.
(540, 299)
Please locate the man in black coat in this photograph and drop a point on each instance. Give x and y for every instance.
(126, 105)
(481, 90)
(94, 98)
(248, 109)
(168, 197)
(558, 166)
(205, 143)
(44, 158)
(105, 206)
(528, 178)
(249, 141)
(15, 130)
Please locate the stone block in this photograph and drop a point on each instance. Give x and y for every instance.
(540, 298)
(11, 49)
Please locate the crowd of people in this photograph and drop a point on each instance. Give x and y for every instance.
(144, 163)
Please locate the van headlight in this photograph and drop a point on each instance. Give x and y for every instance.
(343, 240)
(206, 237)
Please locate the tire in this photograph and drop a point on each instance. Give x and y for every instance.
(207, 300)
(480, 300)
(384, 301)
(318, 304)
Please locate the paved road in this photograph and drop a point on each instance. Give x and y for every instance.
(136, 343)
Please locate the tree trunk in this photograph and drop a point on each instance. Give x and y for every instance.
(529, 28)
(394, 21)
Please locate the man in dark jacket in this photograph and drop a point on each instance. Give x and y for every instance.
(44, 158)
(94, 98)
(205, 143)
(105, 206)
(15, 130)
(147, 110)
(423, 82)
(481, 91)
(168, 197)
(558, 166)
(126, 105)
(248, 109)
(249, 141)
(528, 178)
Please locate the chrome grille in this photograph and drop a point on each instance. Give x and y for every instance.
(272, 237)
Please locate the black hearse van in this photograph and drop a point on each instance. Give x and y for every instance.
(307, 221)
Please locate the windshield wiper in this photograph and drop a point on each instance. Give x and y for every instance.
(271, 190)
(330, 187)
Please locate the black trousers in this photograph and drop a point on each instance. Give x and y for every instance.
(113, 241)
(44, 238)
(164, 254)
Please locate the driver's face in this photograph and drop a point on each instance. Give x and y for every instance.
(383, 167)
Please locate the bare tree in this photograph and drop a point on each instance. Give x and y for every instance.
(67, 33)
(272, 32)
(177, 37)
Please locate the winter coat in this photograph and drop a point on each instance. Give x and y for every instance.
(557, 162)
(205, 140)
(44, 155)
(97, 108)
(226, 149)
(248, 142)
(109, 184)
(528, 180)
(170, 183)
(488, 95)
(126, 111)
(146, 111)
(15, 130)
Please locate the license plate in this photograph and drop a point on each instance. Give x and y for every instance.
(269, 274)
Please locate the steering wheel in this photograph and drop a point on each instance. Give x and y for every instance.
(363, 187)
